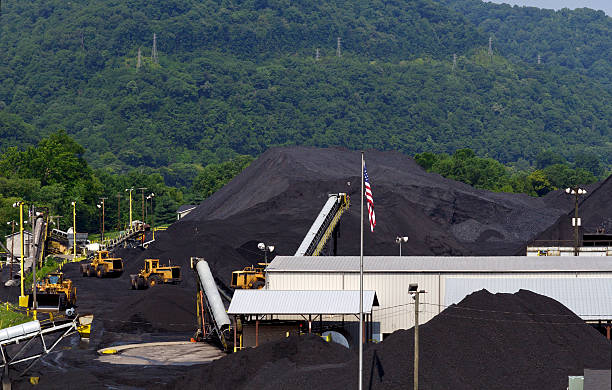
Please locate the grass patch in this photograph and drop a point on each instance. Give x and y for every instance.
(51, 264)
(8, 317)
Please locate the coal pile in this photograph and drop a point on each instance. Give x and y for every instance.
(487, 341)
(595, 211)
(276, 199)
(270, 366)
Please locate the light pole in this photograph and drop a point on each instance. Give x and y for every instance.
(74, 241)
(399, 240)
(12, 223)
(413, 289)
(118, 211)
(103, 199)
(142, 190)
(576, 221)
(150, 197)
(22, 298)
(265, 249)
(130, 190)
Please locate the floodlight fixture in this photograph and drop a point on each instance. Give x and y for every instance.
(261, 246)
(271, 248)
(413, 287)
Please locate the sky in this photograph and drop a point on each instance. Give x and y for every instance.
(604, 5)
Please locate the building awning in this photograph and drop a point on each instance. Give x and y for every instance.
(285, 302)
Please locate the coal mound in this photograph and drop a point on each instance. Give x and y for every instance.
(487, 341)
(276, 199)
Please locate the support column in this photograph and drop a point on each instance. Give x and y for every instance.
(257, 332)
(608, 332)
(309, 323)
(235, 333)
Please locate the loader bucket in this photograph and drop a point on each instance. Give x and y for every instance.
(45, 302)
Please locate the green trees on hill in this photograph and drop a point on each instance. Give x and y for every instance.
(552, 172)
(235, 79)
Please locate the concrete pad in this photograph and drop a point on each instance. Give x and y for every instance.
(181, 353)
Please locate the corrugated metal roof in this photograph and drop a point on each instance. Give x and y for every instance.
(300, 302)
(589, 298)
(441, 264)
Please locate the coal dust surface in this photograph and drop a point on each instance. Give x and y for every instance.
(487, 341)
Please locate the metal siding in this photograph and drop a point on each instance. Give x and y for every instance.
(590, 298)
(439, 264)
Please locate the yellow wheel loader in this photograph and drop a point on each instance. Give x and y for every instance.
(54, 293)
(103, 265)
(250, 277)
(153, 274)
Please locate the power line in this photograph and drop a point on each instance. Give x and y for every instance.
(154, 57)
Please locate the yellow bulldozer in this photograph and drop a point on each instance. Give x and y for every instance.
(103, 265)
(153, 274)
(250, 277)
(54, 293)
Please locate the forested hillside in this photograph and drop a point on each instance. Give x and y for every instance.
(235, 78)
(580, 40)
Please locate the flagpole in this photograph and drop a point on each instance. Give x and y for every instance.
(361, 288)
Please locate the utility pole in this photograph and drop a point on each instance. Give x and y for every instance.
(576, 221)
(154, 58)
(74, 240)
(139, 61)
(338, 48)
(142, 190)
(413, 290)
(12, 249)
(317, 54)
(118, 211)
(103, 199)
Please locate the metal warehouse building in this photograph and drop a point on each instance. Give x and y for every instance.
(583, 284)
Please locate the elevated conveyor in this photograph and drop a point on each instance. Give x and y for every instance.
(324, 225)
(212, 317)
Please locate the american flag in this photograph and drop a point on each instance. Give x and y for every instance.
(369, 199)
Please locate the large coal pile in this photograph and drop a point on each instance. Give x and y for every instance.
(487, 341)
(276, 199)
(595, 211)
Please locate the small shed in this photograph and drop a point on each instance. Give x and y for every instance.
(278, 312)
(13, 243)
(184, 210)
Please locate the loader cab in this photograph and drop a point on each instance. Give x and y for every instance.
(151, 264)
(55, 279)
(103, 255)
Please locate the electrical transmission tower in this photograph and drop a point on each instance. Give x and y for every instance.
(154, 57)
(454, 61)
(317, 54)
(338, 49)
(139, 62)
(491, 46)
(539, 59)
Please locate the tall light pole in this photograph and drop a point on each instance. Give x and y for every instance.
(399, 240)
(74, 241)
(103, 199)
(130, 190)
(118, 211)
(150, 197)
(576, 191)
(22, 298)
(265, 248)
(142, 190)
(413, 289)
